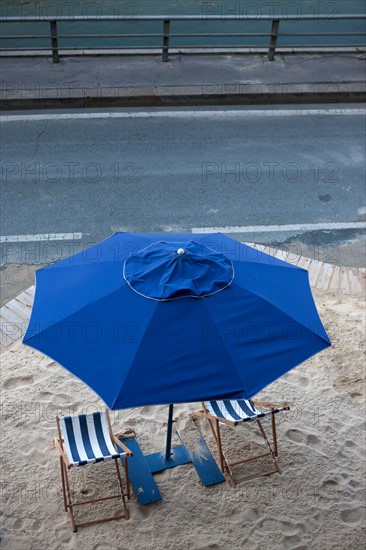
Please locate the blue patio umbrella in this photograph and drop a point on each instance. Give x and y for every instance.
(151, 319)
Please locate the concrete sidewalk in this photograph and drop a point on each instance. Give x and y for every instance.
(134, 81)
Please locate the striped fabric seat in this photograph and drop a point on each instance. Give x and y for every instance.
(240, 410)
(87, 439)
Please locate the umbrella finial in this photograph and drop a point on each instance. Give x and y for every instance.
(181, 251)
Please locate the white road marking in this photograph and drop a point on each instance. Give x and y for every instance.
(279, 228)
(182, 114)
(228, 229)
(41, 237)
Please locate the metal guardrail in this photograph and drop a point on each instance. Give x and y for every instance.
(167, 35)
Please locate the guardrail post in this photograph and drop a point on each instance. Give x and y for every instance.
(273, 41)
(54, 42)
(166, 30)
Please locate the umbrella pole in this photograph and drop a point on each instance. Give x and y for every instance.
(168, 452)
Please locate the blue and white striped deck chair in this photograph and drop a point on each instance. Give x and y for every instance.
(233, 413)
(88, 439)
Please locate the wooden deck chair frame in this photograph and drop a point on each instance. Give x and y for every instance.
(226, 466)
(65, 466)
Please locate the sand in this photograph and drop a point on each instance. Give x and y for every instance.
(317, 503)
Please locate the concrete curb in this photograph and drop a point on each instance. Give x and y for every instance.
(198, 95)
(263, 51)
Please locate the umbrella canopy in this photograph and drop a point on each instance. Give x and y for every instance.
(148, 319)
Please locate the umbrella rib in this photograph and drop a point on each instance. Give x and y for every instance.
(242, 389)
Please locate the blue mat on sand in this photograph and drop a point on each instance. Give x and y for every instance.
(140, 476)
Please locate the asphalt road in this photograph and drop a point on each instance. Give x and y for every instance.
(184, 170)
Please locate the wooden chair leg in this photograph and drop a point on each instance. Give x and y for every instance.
(224, 465)
(119, 480)
(121, 488)
(264, 435)
(128, 485)
(63, 483)
(69, 504)
(274, 435)
(219, 446)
